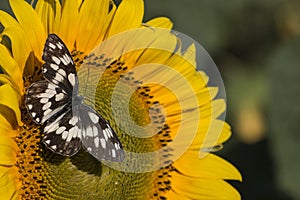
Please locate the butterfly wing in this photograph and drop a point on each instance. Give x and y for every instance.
(67, 125)
(45, 100)
(49, 102)
(62, 134)
(98, 137)
(59, 67)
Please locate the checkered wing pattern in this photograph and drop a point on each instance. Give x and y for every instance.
(67, 122)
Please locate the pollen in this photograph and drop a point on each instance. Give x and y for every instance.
(29, 160)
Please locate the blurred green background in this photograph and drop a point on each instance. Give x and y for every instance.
(256, 45)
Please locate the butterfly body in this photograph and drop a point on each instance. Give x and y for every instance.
(68, 124)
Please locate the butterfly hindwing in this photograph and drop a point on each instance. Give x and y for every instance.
(62, 134)
(98, 137)
(44, 100)
(59, 67)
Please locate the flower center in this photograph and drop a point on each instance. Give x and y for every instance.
(45, 174)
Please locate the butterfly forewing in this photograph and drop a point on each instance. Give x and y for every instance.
(98, 137)
(59, 67)
(45, 100)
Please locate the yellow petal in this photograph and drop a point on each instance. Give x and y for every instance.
(110, 17)
(20, 46)
(135, 45)
(93, 15)
(5, 79)
(6, 128)
(211, 133)
(175, 196)
(50, 13)
(4, 169)
(207, 135)
(185, 64)
(9, 125)
(11, 68)
(213, 91)
(7, 20)
(129, 15)
(9, 184)
(161, 22)
(203, 189)
(218, 107)
(4, 125)
(8, 151)
(210, 167)
(9, 98)
(69, 23)
(78, 2)
(31, 24)
(190, 55)
(147, 46)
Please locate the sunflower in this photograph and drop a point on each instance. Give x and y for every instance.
(171, 112)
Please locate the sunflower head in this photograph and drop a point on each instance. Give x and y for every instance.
(142, 78)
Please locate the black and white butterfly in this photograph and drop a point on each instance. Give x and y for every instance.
(67, 122)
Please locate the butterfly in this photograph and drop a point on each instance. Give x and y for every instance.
(68, 124)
